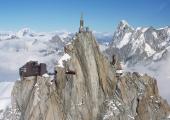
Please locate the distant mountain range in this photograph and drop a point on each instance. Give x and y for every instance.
(143, 44)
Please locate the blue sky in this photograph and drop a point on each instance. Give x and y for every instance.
(99, 15)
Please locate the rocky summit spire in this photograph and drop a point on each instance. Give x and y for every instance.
(81, 29)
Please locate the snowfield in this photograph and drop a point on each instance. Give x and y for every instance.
(124, 41)
(65, 57)
(149, 50)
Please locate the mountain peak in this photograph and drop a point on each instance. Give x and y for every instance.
(23, 32)
(124, 22)
(124, 25)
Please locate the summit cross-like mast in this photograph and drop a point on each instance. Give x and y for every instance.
(81, 29)
(81, 21)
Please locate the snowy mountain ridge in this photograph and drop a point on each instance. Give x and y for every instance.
(142, 43)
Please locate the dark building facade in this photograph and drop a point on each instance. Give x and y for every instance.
(32, 68)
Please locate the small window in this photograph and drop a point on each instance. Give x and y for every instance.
(24, 69)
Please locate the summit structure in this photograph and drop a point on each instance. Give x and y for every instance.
(82, 28)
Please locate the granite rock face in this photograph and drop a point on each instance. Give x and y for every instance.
(93, 93)
(136, 98)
